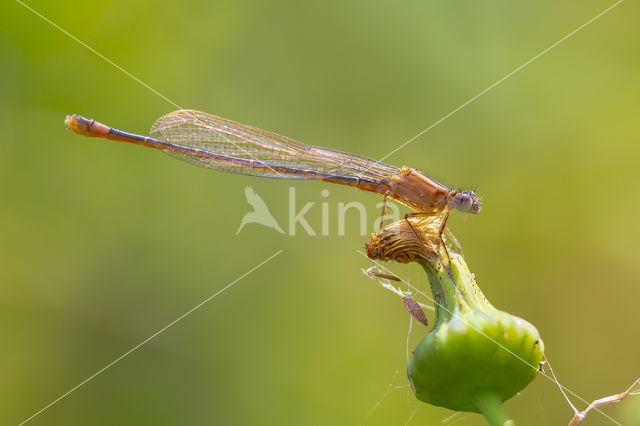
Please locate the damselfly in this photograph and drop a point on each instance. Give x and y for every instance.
(218, 143)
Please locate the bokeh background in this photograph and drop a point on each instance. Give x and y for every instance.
(103, 244)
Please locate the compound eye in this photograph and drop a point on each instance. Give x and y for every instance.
(462, 201)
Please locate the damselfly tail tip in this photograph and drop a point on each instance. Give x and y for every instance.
(78, 124)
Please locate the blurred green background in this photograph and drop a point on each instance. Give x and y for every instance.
(103, 244)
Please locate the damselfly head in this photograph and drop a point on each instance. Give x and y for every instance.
(467, 202)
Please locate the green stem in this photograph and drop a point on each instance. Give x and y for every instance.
(454, 289)
(492, 409)
(443, 290)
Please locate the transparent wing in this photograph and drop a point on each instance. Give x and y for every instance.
(242, 149)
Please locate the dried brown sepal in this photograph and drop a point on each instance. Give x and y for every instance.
(415, 310)
(375, 274)
(404, 242)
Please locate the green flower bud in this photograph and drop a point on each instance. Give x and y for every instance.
(476, 356)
